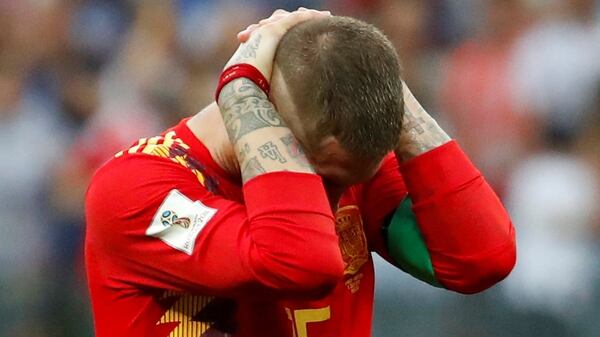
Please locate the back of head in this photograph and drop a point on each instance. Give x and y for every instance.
(343, 76)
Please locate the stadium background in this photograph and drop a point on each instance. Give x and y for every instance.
(515, 81)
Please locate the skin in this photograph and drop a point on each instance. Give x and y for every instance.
(331, 161)
(250, 134)
(420, 132)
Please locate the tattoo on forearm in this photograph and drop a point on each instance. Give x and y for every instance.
(245, 109)
(259, 117)
(248, 50)
(421, 134)
(232, 93)
(292, 146)
(243, 152)
(413, 124)
(270, 150)
(252, 168)
(294, 150)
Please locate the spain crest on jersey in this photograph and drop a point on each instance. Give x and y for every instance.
(353, 243)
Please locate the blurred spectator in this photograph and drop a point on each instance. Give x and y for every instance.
(455, 20)
(477, 95)
(32, 144)
(95, 28)
(552, 197)
(406, 24)
(556, 65)
(515, 79)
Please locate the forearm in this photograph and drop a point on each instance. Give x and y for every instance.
(263, 144)
(467, 231)
(459, 235)
(420, 132)
(261, 140)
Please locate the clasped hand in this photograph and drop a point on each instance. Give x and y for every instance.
(259, 41)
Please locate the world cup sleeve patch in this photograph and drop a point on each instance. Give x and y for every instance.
(179, 220)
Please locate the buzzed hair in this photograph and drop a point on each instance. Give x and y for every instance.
(344, 78)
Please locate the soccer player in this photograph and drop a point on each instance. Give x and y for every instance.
(257, 217)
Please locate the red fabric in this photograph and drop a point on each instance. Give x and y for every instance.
(283, 239)
(242, 70)
(349, 306)
(290, 247)
(379, 198)
(468, 233)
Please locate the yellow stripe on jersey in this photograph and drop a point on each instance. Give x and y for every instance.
(161, 147)
(199, 176)
(169, 139)
(161, 151)
(135, 148)
(183, 312)
(151, 144)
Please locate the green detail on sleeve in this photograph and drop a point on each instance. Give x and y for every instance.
(406, 245)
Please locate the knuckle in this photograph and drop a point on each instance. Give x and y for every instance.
(276, 29)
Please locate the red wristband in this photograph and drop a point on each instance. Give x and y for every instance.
(242, 70)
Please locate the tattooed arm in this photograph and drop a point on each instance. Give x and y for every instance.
(261, 140)
(420, 132)
(451, 229)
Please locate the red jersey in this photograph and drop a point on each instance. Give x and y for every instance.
(175, 246)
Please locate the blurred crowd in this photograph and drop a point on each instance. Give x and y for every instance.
(516, 82)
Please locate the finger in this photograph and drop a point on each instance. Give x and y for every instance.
(308, 9)
(273, 18)
(279, 11)
(245, 34)
(296, 17)
(250, 27)
(282, 14)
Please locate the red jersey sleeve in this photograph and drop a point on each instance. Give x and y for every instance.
(379, 199)
(467, 234)
(150, 223)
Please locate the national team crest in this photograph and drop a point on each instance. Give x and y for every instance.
(353, 243)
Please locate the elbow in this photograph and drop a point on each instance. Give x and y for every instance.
(476, 274)
(302, 268)
(300, 271)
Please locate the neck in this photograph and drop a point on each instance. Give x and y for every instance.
(207, 125)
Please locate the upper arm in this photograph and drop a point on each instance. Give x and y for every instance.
(217, 247)
(129, 233)
(456, 234)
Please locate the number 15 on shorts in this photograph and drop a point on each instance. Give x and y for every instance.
(301, 317)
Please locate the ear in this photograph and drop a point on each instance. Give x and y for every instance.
(282, 100)
(279, 89)
(329, 147)
(330, 144)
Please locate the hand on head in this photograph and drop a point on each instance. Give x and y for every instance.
(277, 15)
(259, 41)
